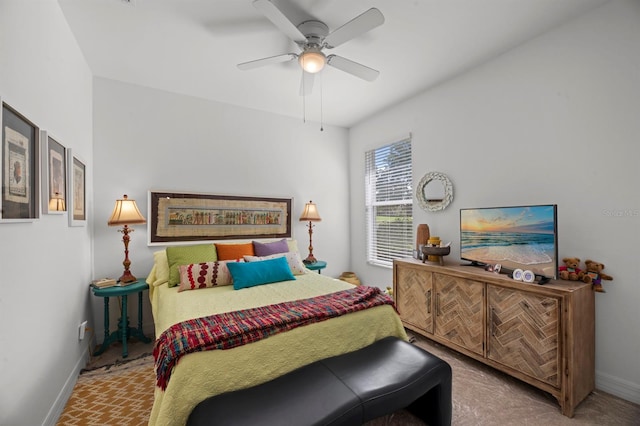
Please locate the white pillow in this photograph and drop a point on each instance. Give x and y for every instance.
(293, 259)
(293, 245)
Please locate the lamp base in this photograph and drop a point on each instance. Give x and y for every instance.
(127, 277)
(310, 260)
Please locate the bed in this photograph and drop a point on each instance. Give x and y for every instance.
(199, 375)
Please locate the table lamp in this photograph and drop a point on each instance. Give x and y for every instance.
(126, 213)
(56, 203)
(310, 214)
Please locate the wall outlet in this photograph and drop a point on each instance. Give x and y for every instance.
(82, 329)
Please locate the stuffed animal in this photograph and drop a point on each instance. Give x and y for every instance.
(570, 270)
(594, 275)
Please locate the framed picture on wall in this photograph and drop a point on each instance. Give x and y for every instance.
(182, 217)
(77, 200)
(54, 175)
(20, 200)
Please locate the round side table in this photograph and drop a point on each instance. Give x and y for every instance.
(318, 266)
(124, 331)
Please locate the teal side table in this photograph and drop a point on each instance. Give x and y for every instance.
(124, 331)
(318, 266)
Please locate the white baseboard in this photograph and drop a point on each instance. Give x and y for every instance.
(65, 393)
(619, 387)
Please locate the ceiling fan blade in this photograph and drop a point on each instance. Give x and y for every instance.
(306, 83)
(267, 61)
(352, 68)
(359, 25)
(280, 20)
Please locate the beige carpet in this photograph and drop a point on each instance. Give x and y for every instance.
(122, 394)
(484, 396)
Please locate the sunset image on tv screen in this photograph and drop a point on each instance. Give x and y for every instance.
(516, 237)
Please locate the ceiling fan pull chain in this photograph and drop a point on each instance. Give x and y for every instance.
(321, 116)
(304, 101)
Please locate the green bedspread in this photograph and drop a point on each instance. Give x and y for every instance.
(200, 375)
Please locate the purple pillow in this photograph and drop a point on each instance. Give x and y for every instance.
(266, 249)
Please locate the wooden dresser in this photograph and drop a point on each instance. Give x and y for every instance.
(541, 334)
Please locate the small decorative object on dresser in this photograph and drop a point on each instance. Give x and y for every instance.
(593, 275)
(571, 269)
(422, 236)
(434, 250)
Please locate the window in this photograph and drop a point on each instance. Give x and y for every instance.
(389, 203)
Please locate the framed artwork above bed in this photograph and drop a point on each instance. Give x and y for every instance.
(181, 218)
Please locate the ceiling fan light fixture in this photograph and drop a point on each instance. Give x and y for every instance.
(312, 60)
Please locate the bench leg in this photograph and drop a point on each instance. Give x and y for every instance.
(435, 406)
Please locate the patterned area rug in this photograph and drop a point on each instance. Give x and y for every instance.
(117, 394)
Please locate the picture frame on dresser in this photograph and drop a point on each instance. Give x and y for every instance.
(20, 199)
(77, 184)
(54, 175)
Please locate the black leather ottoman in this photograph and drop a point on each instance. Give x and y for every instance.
(348, 389)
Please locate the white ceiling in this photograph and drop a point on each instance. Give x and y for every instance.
(192, 47)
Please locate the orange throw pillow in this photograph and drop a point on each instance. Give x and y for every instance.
(234, 251)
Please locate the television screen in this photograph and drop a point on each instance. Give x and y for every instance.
(523, 237)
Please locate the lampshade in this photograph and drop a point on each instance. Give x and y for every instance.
(312, 60)
(56, 203)
(126, 212)
(310, 213)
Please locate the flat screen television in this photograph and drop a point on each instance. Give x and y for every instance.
(517, 237)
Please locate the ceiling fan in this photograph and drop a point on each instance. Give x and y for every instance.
(313, 37)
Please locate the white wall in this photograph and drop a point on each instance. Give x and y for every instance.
(45, 265)
(553, 121)
(148, 139)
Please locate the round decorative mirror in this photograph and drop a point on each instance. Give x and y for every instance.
(434, 191)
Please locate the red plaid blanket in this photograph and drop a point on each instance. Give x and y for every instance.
(231, 329)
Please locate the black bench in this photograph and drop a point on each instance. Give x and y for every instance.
(348, 389)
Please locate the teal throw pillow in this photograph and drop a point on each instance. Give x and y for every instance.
(257, 273)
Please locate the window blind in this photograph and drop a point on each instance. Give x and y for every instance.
(389, 203)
